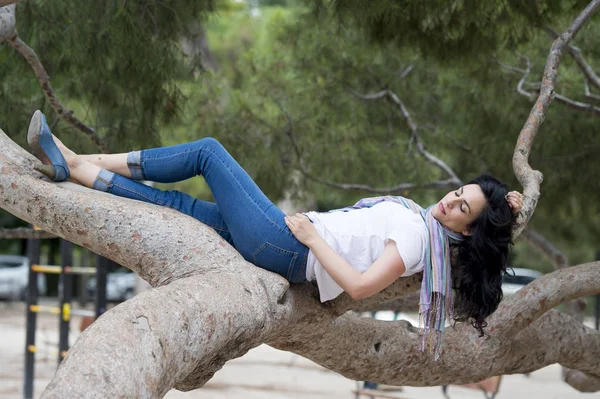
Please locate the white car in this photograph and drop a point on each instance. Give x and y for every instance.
(517, 279)
(120, 285)
(14, 277)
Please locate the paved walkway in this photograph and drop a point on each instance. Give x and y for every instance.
(263, 373)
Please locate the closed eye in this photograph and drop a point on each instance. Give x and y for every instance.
(458, 195)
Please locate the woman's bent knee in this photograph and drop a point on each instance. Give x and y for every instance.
(209, 142)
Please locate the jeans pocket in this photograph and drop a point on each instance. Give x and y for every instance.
(275, 259)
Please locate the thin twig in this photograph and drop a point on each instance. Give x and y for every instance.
(589, 94)
(520, 88)
(577, 105)
(406, 71)
(394, 99)
(575, 52)
(290, 129)
(398, 189)
(509, 67)
(41, 75)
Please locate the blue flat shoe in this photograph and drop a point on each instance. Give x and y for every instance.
(44, 148)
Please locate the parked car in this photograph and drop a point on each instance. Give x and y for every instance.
(120, 285)
(14, 277)
(517, 279)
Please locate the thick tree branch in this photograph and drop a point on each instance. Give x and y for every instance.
(388, 352)
(175, 336)
(24, 233)
(40, 73)
(531, 179)
(529, 303)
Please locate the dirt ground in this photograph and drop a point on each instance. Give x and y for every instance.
(263, 373)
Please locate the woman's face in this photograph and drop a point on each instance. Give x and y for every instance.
(459, 208)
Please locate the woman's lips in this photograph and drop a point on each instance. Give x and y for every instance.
(442, 208)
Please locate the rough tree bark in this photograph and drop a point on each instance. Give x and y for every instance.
(210, 306)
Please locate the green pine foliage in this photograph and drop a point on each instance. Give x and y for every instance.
(445, 29)
(115, 62)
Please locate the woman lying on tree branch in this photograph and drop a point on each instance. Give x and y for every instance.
(360, 249)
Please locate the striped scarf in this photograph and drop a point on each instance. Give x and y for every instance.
(436, 289)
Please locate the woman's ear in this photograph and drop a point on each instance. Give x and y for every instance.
(467, 231)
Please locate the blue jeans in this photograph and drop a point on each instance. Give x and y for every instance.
(242, 214)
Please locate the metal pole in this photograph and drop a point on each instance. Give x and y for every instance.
(33, 253)
(101, 266)
(66, 296)
(84, 297)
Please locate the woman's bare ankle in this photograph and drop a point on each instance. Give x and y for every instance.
(73, 160)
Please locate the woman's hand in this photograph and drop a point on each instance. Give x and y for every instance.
(301, 227)
(515, 201)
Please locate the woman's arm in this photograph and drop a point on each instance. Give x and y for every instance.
(383, 272)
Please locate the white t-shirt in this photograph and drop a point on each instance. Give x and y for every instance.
(360, 235)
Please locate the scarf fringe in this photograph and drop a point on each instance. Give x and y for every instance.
(432, 320)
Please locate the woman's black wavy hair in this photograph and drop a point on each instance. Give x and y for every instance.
(482, 257)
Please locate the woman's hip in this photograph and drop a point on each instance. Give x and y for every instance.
(280, 252)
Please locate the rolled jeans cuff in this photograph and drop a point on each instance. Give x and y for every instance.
(134, 162)
(103, 180)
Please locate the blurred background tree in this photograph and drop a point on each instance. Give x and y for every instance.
(280, 91)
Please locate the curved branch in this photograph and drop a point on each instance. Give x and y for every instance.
(394, 99)
(531, 179)
(520, 310)
(452, 182)
(523, 80)
(388, 352)
(40, 73)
